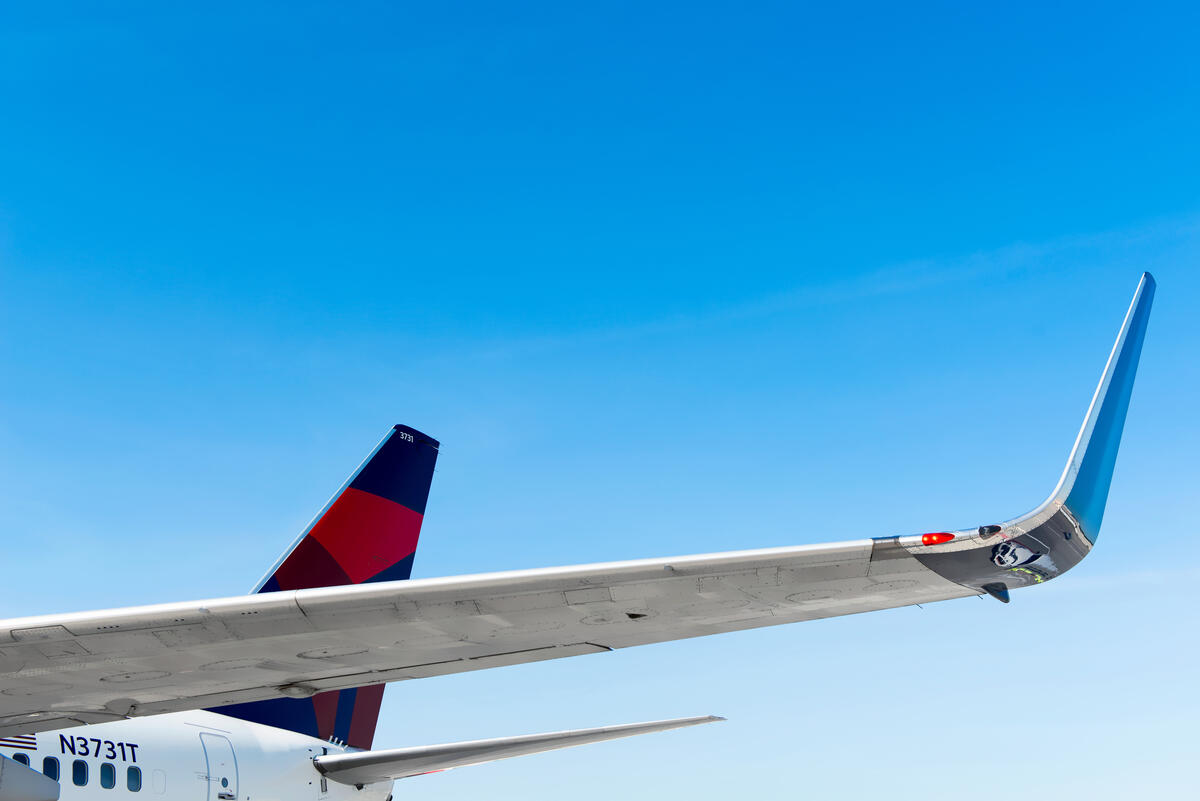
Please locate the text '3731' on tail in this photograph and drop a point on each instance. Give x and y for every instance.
(366, 533)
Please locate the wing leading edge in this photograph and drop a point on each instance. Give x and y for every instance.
(64, 670)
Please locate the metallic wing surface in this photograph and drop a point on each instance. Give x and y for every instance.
(367, 767)
(62, 670)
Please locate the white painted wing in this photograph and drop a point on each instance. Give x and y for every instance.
(62, 670)
(366, 767)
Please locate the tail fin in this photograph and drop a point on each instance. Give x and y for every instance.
(367, 532)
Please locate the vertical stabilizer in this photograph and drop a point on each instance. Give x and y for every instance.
(367, 532)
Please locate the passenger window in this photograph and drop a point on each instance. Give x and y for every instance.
(108, 775)
(22, 758)
(133, 779)
(50, 767)
(79, 772)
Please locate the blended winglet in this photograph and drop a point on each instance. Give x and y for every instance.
(1057, 535)
(368, 767)
(1083, 488)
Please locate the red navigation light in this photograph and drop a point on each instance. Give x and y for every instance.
(936, 539)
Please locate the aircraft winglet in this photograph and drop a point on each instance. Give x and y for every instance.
(1083, 488)
(1057, 535)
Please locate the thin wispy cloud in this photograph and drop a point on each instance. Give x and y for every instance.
(906, 277)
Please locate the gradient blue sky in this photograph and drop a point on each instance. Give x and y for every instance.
(664, 279)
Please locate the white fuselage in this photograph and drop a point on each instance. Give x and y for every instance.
(186, 756)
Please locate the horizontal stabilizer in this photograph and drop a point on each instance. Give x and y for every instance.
(367, 767)
(19, 782)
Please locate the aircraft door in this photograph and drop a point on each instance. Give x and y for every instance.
(222, 772)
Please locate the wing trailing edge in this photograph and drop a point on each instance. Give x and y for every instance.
(368, 767)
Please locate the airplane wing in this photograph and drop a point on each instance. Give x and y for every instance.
(62, 670)
(366, 767)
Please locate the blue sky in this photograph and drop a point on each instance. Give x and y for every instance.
(663, 280)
